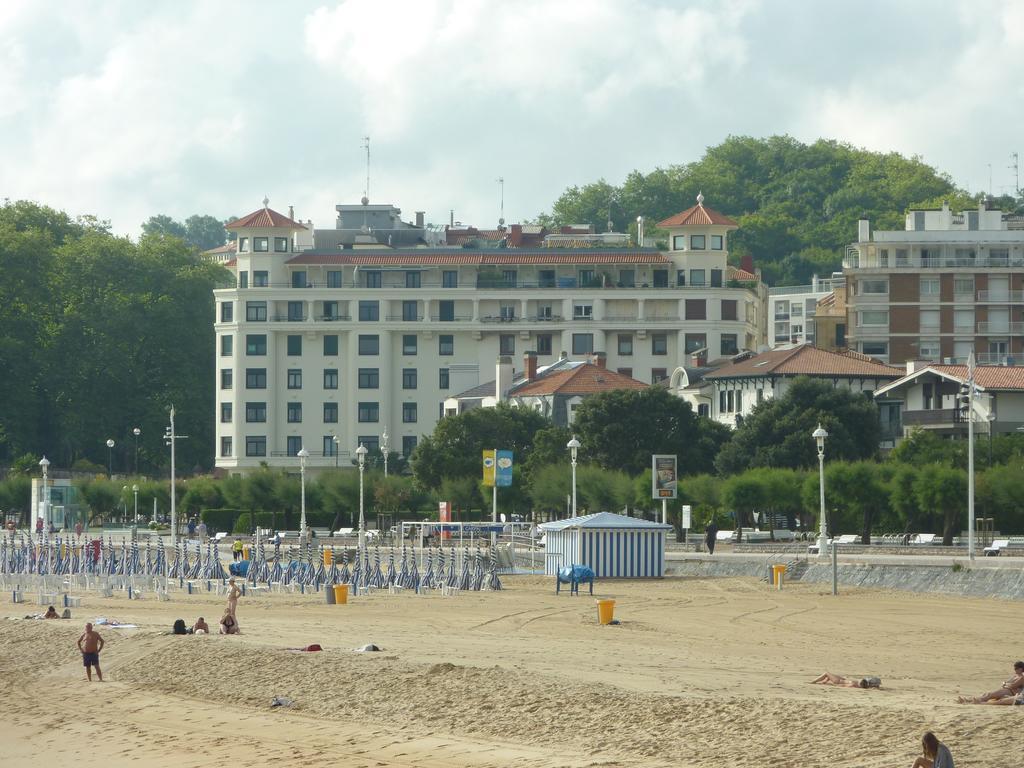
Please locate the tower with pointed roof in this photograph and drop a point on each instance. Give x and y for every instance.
(266, 240)
(698, 244)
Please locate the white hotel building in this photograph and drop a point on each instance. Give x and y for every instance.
(329, 347)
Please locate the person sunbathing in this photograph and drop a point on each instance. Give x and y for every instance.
(845, 682)
(1008, 690)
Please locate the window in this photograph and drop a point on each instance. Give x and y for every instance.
(261, 244)
(625, 344)
(369, 378)
(255, 446)
(728, 309)
(330, 413)
(443, 378)
(330, 378)
(716, 242)
(696, 242)
(902, 258)
(331, 310)
(659, 343)
(963, 286)
(408, 445)
(408, 378)
(963, 320)
(696, 309)
(582, 311)
(335, 278)
(695, 341)
(256, 311)
(697, 278)
(660, 278)
(294, 413)
(509, 278)
(409, 310)
(373, 279)
(999, 257)
(658, 374)
(543, 343)
(260, 278)
(226, 344)
(627, 278)
(873, 287)
(929, 320)
(723, 402)
(450, 278)
(225, 378)
(330, 447)
(841, 335)
(255, 413)
(544, 312)
(370, 442)
(226, 446)
(408, 413)
(409, 344)
(875, 348)
(243, 244)
(256, 378)
(281, 244)
(739, 399)
(446, 311)
(412, 279)
(369, 311)
(368, 412)
(227, 311)
(582, 343)
(928, 349)
(294, 445)
(546, 278)
(760, 396)
(255, 344)
(716, 278)
(299, 279)
(679, 242)
(445, 345)
(728, 342)
(294, 378)
(507, 312)
(226, 413)
(929, 288)
(369, 345)
(874, 317)
(294, 345)
(507, 344)
(243, 278)
(625, 371)
(330, 345)
(296, 311)
(680, 278)
(586, 278)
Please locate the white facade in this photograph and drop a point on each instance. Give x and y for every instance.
(791, 311)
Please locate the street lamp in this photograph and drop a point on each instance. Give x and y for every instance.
(136, 432)
(110, 459)
(135, 490)
(124, 502)
(991, 419)
(819, 436)
(303, 455)
(573, 446)
(384, 449)
(337, 448)
(361, 456)
(44, 464)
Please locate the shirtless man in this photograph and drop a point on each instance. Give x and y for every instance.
(844, 682)
(90, 644)
(201, 626)
(1008, 690)
(233, 595)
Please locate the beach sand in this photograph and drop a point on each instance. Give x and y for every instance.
(699, 673)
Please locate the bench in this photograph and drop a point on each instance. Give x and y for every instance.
(996, 547)
(847, 538)
(925, 539)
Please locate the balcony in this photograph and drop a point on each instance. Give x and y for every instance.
(995, 358)
(1000, 329)
(1001, 297)
(931, 418)
(854, 260)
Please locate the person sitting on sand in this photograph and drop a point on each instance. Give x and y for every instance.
(179, 627)
(1008, 689)
(845, 682)
(228, 625)
(51, 613)
(201, 627)
(936, 754)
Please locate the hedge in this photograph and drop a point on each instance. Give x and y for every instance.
(244, 522)
(219, 519)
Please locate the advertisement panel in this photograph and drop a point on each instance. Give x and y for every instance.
(663, 476)
(489, 462)
(503, 474)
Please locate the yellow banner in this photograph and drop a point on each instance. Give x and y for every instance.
(489, 464)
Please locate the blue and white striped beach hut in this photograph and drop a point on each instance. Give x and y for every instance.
(615, 546)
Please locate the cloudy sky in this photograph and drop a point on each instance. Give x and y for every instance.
(128, 109)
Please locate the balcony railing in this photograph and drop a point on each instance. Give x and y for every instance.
(996, 329)
(931, 418)
(1001, 296)
(854, 261)
(996, 358)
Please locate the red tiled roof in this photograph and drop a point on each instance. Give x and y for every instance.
(265, 218)
(806, 360)
(986, 376)
(471, 257)
(231, 263)
(735, 273)
(585, 379)
(698, 215)
(226, 248)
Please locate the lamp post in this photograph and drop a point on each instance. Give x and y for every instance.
(135, 490)
(44, 464)
(384, 449)
(819, 436)
(171, 438)
(337, 449)
(136, 432)
(110, 459)
(991, 419)
(124, 502)
(303, 455)
(573, 446)
(361, 456)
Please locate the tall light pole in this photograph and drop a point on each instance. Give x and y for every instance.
(337, 448)
(136, 432)
(573, 446)
(44, 464)
(124, 501)
(819, 436)
(971, 392)
(135, 490)
(303, 455)
(170, 438)
(361, 456)
(384, 449)
(110, 459)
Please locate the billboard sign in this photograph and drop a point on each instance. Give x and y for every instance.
(489, 462)
(503, 473)
(663, 476)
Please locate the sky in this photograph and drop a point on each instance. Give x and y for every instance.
(125, 110)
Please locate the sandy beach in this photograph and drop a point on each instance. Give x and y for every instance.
(699, 673)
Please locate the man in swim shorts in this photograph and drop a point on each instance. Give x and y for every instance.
(90, 644)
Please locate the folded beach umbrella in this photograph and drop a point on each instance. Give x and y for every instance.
(466, 578)
(427, 579)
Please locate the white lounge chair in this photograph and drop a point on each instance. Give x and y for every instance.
(996, 547)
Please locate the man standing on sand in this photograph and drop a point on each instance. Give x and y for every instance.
(711, 537)
(90, 644)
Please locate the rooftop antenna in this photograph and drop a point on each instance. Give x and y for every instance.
(1016, 173)
(990, 179)
(501, 218)
(366, 192)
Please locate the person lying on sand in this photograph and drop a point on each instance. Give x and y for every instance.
(845, 682)
(1008, 689)
(936, 754)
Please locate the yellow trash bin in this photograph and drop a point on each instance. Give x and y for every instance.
(340, 594)
(245, 553)
(328, 558)
(778, 572)
(605, 611)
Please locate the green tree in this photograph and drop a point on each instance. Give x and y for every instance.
(602, 490)
(903, 501)
(550, 487)
(924, 447)
(856, 492)
(204, 232)
(164, 225)
(944, 490)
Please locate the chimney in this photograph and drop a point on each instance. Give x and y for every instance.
(530, 365)
(503, 378)
(515, 237)
(419, 218)
(747, 263)
(291, 212)
(600, 359)
(863, 230)
(913, 366)
(451, 220)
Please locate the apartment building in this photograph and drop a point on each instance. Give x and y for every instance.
(791, 310)
(324, 348)
(947, 284)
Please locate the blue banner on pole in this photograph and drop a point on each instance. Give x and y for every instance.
(503, 475)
